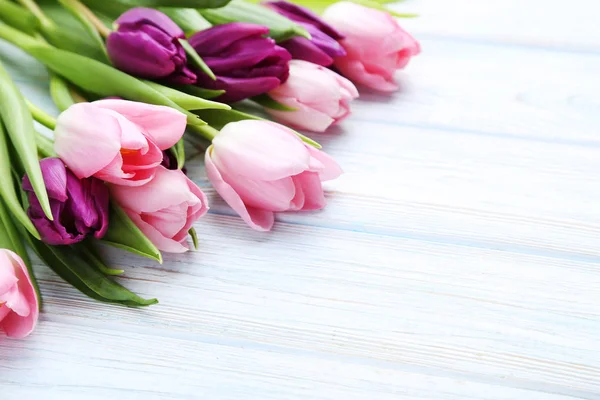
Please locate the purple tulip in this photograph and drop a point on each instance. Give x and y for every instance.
(322, 48)
(146, 44)
(245, 61)
(79, 206)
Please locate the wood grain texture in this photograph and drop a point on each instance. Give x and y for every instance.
(458, 258)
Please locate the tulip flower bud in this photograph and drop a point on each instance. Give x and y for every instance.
(260, 168)
(376, 46)
(319, 96)
(245, 61)
(322, 48)
(146, 44)
(19, 305)
(79, 206)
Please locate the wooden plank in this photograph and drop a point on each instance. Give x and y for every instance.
(455, 312)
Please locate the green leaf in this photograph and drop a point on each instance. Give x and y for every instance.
(124, 234)
(179, 152)
(114, 8)
(79, 11)
(198, 91)
(96, 260)
(18, 17)
(7, 188)
(185, 100)
(187, 19)
(60, 93)
(19, 125)
(91, 75)
(11, 239)
(268, 102)
(196, 59)
(280, 27)
(77, 268)
(194, 236)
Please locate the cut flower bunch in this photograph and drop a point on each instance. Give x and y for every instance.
(131, 84)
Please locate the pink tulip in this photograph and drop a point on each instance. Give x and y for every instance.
(117, 141)
(320, 96)
(18, 300)
(261, 167)
(164, 208)
(375, 44)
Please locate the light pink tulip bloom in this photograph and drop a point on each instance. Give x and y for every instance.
(164, 209)
(18, 300)
(261, 167)
(320, 96)
(376, 46)
(117, 141)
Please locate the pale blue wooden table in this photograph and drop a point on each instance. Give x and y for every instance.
(459, 257)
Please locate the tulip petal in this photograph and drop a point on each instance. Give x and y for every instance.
(139, 54)
(237, 89)
(161, 242)
(140, 16)
(304, 117)
(164, 125)
(20, 326)
(77, 127)
(260, 220)
(260, 150)
(55, 178)
(331, 169)
(100, 194)
(310, 183)
(303, 49)
(359, 74)
(7, 273)
(168, 221)
(303, 15)
(170, 184)
(266, 195)
(218, 38)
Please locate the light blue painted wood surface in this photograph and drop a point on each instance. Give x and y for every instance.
(459, 256)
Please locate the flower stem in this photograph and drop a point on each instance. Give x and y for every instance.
(45, 146)
(41, 116)
(31, 5)
(196, 59)
(205, 131)
(94, 27)
(17, 37)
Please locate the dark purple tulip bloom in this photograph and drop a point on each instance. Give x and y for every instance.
(323, 47)
(146, 44)
(79, 206)
(245, 61)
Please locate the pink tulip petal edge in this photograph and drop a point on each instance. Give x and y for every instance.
(18, 301)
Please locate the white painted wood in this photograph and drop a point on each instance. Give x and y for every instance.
(459, 256)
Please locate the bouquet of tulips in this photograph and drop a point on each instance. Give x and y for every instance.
(130, 78)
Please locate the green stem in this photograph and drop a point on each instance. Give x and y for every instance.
(205, 131)
(41, 116)
(60, 92)
(196, 59)
(94, 27)
(45, 22)
(45, 146)
(18, 38)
